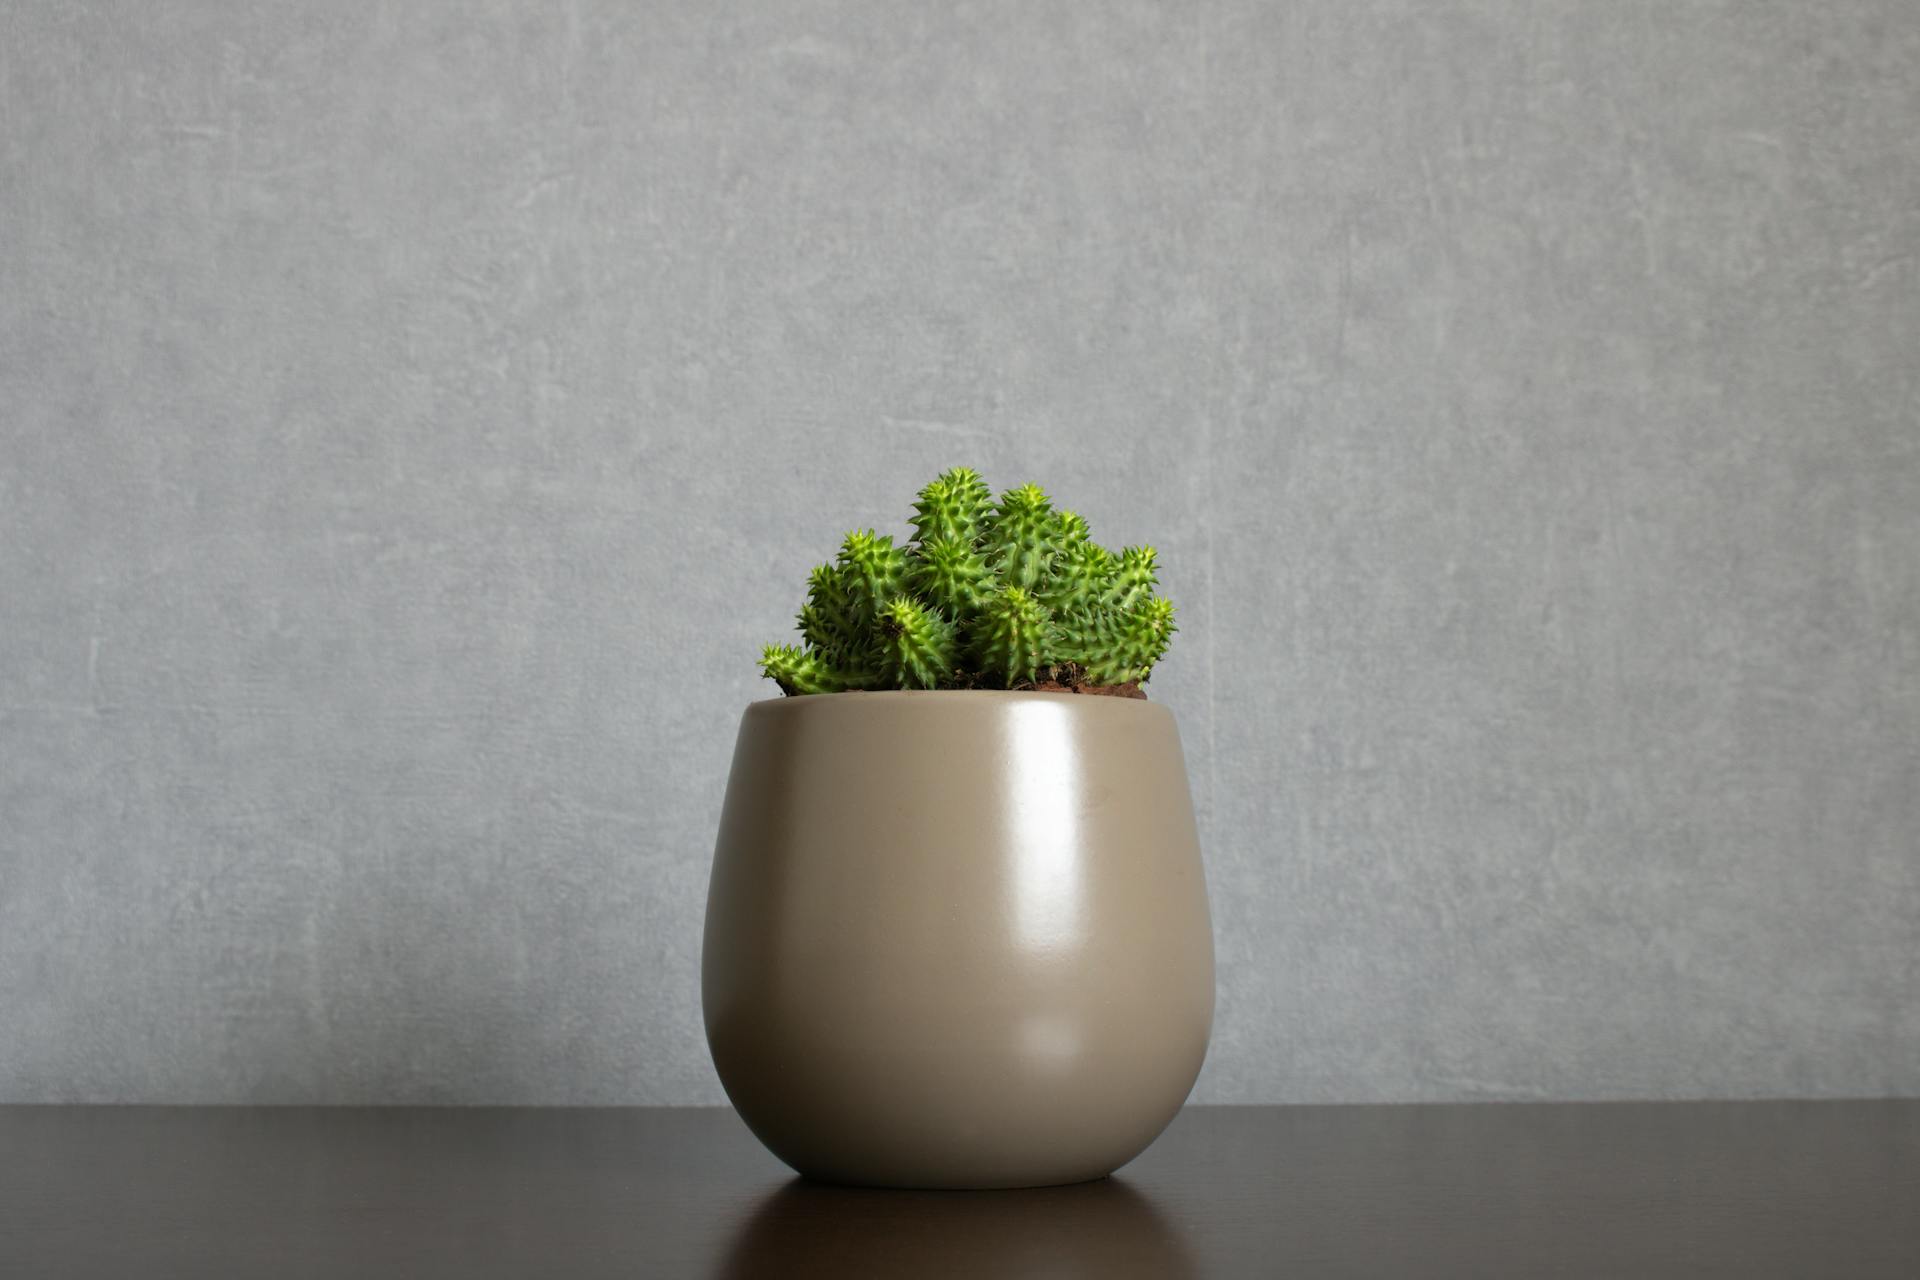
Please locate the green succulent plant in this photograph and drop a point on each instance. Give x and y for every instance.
(984, 595)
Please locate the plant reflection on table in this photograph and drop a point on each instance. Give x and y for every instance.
(1096, 1229)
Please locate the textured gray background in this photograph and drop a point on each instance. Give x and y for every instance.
(417, 414)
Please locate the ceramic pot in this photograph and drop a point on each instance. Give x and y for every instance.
(957, 939)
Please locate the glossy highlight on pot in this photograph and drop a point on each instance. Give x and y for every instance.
(1043, 830)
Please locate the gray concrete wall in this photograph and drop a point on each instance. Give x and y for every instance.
(416, 415)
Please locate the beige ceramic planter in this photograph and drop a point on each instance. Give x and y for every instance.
(957, 939)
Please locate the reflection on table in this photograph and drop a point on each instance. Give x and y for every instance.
(1100, 1229)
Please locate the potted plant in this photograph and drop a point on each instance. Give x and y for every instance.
(957, 933)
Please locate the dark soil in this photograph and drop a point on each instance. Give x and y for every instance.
(1131, 689)
(1068, 678)
(1064, 678)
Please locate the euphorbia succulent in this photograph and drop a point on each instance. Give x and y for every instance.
(984, 595)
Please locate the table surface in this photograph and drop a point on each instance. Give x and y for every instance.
(1613, 1189)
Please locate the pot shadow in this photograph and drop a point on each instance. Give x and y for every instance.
(1100, 1229)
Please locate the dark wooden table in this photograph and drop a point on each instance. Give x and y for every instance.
(1620, 1190)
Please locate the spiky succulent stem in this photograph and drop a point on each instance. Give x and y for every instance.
(1083, 576)
(950, 573)
(874, 570)
(956, 504)
(917, 646)
(1112, 647)
(1024, 538)
(1133, 579)
(799, 671)
(1012, 635)
(829, 620)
